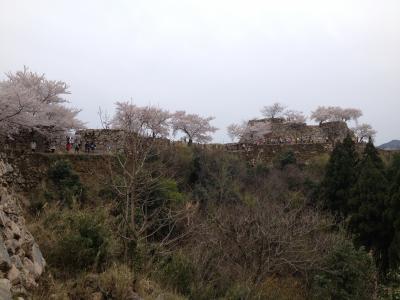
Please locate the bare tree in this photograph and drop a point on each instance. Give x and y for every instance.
(29, 100)
(266, 238)
(105, 119)
(273, 111)
(195, 127)
(144, 217)
(363, 132)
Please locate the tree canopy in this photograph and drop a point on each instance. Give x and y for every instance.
(29, 100)
(340, 177)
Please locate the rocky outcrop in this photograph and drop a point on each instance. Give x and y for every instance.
(21, 261)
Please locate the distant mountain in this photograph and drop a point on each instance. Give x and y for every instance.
(392, 145)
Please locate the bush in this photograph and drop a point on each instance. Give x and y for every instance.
(66, 182)
(167, 190)
(216, 177)
(117, 282)
(284, 159)
(75, 240)
(349, 274)
(177, 273)
(288, 288)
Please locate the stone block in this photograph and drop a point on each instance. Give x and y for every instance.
(5, 289)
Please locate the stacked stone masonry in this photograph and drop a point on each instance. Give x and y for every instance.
(281, 132)
(21, 261)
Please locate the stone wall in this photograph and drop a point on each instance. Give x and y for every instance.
(111, 140)
(281, 132)
(21, 141)
(106, 140)
(267, 153)
(21, 261)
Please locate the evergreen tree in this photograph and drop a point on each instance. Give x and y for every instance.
(368, 222)
(339, 178)
(393, 211)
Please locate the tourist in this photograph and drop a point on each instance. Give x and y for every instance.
(76, 147)
(33, 146)
(92, 146)
(68, 144)
(87, 147)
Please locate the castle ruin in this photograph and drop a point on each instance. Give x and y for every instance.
(278, 131)
(276, 136)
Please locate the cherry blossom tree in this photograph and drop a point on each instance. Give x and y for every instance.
(156, 120)
(363, 132)
(249, 131)
(29, 100)
(335, 113)
(293, 116)
(236, 131)
(351, 114)
(321, 114)
(195, 127)
(273, 111)
(146, 121)
(128, 117)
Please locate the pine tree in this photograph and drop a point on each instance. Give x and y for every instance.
(393, 211)
(339, 178)
(369, 196)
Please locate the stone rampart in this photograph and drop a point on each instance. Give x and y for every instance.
(306, 140)
(21, 261)
(281, 132)
(21, 141)
(105, 140)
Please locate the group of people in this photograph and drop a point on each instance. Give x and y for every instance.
(72, 144)
(90, 147)
(75, 144)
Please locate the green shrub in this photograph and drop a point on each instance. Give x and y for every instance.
(177, 273)
(117, 282)
(76, 240)
(280, 288)
(66, 181)
(284, 159)
(390, 288)
(215, 177)
(349, 274)
(167, 189)
(238, 292)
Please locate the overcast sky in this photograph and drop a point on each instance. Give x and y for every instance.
(224, 58)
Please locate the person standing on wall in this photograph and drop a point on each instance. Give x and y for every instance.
(33, 146)
(68, 145)
(76, 147)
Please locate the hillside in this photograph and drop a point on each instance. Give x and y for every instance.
(392, 145)
(185, 222)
